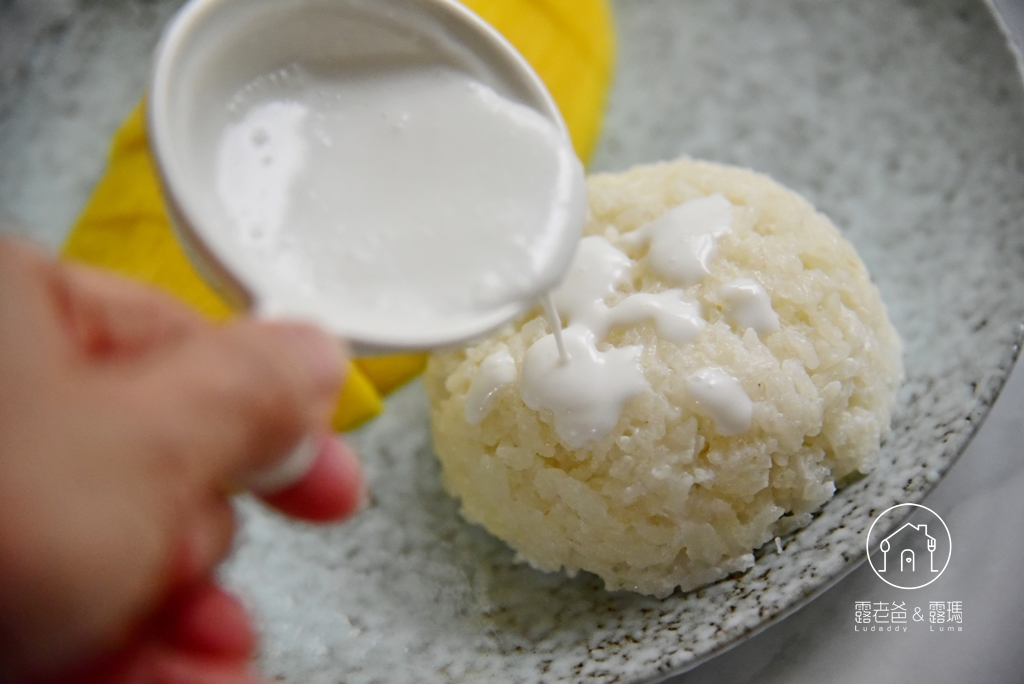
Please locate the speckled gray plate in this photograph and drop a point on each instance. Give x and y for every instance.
(901, 119)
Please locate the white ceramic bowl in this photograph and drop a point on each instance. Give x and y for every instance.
(213, 48)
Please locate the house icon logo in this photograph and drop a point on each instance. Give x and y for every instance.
(909, 546)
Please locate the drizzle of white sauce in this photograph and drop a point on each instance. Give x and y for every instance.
(747, 305)
(496, 372)
(585, 388)
(586, 395)
(554, 322)
(598, 269)
(683, 240)
(724, 399)
(676, 318)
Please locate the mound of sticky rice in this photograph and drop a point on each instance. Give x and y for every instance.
(664, 499)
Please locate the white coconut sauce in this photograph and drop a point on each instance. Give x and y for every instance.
(682, 241)
(676, 318)
(585, 393)
(721, 396)
(598, 269)
(547, 303)
(747, 305)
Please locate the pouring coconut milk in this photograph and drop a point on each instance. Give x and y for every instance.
(392, 171)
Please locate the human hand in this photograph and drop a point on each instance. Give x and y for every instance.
(124, 419)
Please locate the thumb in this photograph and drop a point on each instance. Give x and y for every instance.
(237, 398)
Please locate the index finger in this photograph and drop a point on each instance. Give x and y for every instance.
(113, 315)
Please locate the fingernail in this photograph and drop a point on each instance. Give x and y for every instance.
(333, 489)
(286, 472)
(355, 471)
(323, 355)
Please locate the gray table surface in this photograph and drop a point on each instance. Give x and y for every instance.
(981, 500)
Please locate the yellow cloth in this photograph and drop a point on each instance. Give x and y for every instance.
(124, 226)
